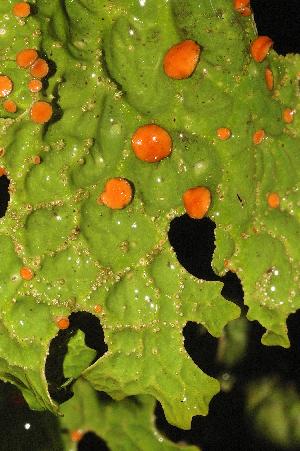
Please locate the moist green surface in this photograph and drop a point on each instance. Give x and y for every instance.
(106, 79)
(132, 417)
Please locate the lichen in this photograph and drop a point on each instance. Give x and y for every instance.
(106, 80)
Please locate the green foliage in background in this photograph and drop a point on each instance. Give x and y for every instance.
(106, 80)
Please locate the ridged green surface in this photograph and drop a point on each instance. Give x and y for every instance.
(128, 425)
(78, 357)
(106, 80)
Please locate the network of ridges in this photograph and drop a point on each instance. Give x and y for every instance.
(265, 254)
(228, 89)
(107, 59)
(133, 418)
(84, 256)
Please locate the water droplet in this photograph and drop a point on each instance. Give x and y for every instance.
(200, 167)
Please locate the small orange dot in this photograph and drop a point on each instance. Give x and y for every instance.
(243, 7)
(2, 171)
(6, 85)
(246, 12)
(98, 308)
(258, 136)
(117, 193)
(36, 159)
(238, 4)
(41, 112)
(197, 201)
(76, 435)
(62, 322)
(181, 60)
(260, 48)
(223, 133)
(288, 115)
(226, 263)
(10, 106)
(25, 58)
(273, 200)
(35, 85)
(40, 68)
(151, 143)
(21, 9)
(269, 78)
(26, 273)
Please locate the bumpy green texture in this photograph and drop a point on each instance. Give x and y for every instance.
(78, 356)
(127, 425)
(83, 254)
(106, 80)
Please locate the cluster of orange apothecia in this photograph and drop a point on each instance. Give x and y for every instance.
(150, 143)
(40, 111)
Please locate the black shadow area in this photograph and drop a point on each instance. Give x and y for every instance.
(193, 241)
(92, 442)
(201, 347)
(280, 20)
(4, 195)
(58, 386)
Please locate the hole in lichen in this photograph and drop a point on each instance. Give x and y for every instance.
(201, 347)
(232, 289)
(172, 432)
(58, 386)
(90, 325)
(281, 21)
(272, 361)
(91, 442)
(4, 195)
(194, 243)
(54, 366)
